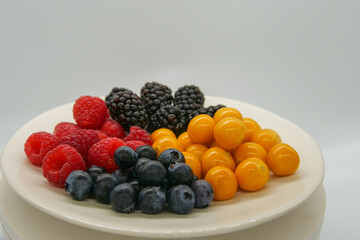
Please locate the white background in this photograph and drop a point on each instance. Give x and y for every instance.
(298, 59)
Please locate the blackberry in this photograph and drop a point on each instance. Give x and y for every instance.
(211, 110)
(126, 108)
(189, 99)
(170, 117)
(155, 95)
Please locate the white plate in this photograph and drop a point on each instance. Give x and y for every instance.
(281, 195)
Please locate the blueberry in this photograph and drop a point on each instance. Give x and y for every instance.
(124, 175)
(151, 200)
(125, 157)
(79, 185)
(139, 164)
(166, 185)
(152, 173)
(103, 185)
(146, 151)
(204, 193)
(170, 156)
(180, 173)
(181, 199)
(94, 171)
(123, 198)
(135, 184)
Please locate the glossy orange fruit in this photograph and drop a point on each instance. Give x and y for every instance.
(252, 174)
(197, 149)
(227, 112)
(184, 140)
(229, 132)
(216, 157)
(161, 132)
(248, 150)
(251, 127)
(267, 138)
(166, 142)
(200, 129)
(194, 163)
(223, 181)
(283, 159)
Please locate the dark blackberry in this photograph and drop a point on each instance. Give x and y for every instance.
(211, 110)
(189, 99)
(155, 95)
(168, 117)
(126, 108)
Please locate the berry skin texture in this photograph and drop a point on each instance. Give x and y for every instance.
(38, 145)
(89, 112)
(60, 162)
(251, 127)
(200, 129)
(103, 185)
(151, 200)
(155, 95)
(94, 171)
(179, 173)
(229, 132)
(266, 137)
(134, 144)
(197, 149)
(227, 112)
(216, 156)
(102, 153)
(138, 134)
(125, 157)
(247, 150)
(79, 185)
(181, 199)
(204, 193)
(166, 142)
(223, 181)
(171, 156)
(63, 129)
(123, 198)
(146, 151)
(152, 173)
(82, 140)
(112, 128)
(283, 160)
(184, 140)
(139, 164)
(195, 164)
(161, 132)
(252, 174)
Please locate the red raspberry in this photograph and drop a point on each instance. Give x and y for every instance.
(134, 144)
(101, 134)
(60, 162)
(82, 140)
(89, 112)
(102, 153)
(112, 128)
(137, 133)
(38, 145)
(63, 129)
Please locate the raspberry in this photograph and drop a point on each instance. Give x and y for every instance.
(60, 162)
(101, 134)
(102, 153)
(89, 112)
(82, 140)
(137, 133)
(134, 144)
(38, 145)
(112, 128)
(63, 129)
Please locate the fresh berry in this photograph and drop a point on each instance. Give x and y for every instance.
(146, 151)
(82, 140)
(170, 156)
(89, 112)
(134, 144)
(179, 173)
(94, 171)
(60, 162)
(103, 185)
(204, 193)
(101, 134)
(151, 200)
(125, 157)
(38, 145)
(137, 133)
(189, 99)
(63, 129)
(126, 108)
(112, 128)
(139, 164)
(124, 175)
(79, 185)
(123, 198)
(155, 95)
(170, 117)
(211, 110)
(102, 153)
(181, 199)
(152, 173)
(135, 184)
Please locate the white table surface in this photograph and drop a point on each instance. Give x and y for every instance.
(298, 59)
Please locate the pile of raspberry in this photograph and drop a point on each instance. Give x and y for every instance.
(91, 140)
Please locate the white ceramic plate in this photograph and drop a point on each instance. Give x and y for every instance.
(281, 195)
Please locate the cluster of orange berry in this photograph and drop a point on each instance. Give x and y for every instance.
(230, 151)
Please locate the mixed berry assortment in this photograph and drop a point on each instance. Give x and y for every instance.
(158, 151)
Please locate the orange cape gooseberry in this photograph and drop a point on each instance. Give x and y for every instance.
(229, 133)
(216, 157)
(200, 129)
(223, 181)
(283, 159)
(252, 174)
